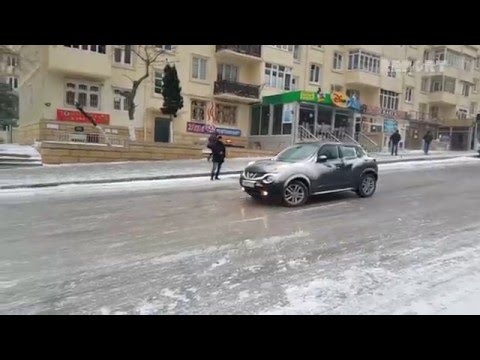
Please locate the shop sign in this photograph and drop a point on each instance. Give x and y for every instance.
(76, 116)
(390, 126)
(200, 128)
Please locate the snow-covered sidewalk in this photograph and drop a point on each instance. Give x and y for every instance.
(54, 175)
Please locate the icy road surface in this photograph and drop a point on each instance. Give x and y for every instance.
(197, 247)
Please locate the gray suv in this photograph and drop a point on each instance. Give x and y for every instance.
(307, 169)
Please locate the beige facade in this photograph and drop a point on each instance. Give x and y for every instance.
(221, 82)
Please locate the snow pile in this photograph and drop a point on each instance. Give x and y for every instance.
(22, 150)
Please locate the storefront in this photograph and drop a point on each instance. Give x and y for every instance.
(281, 119)
(458, 134)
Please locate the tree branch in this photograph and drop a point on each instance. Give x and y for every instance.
(138, 54)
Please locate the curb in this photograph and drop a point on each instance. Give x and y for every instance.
(189, 176)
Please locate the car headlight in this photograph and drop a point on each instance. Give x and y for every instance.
(269, 179)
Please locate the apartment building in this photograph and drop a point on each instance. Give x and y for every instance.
(9, 66)
(233, 87)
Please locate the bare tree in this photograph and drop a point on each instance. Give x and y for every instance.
(148, 55)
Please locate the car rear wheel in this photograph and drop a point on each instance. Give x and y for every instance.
(295, 194)
(368, 185)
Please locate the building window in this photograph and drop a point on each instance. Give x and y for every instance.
(462, 114)
(409, 95)
(227, 72)
(86, 94)
(423, 111)
(337, 61)
(120, 101)
(315, 74)
(353, 92)
(453, 59)
(278, 127)
(475, 85)
(226, 114)
(296, 52)
(278, 76)
(389, 100)
(361, 60)
(465, 89)
(424, 85)
(467, 63)
(199, 68)
(473, 109)
(334, 88)
(295, 82)
(168, 48)
(317, 46)
(391, 71)
(434, 112)
(12, 61)
(158, 82)
(101, 49)
(122, 54)
(477, 62)
(198, 110)
(288, 48)
(260, 120)
(13, 82)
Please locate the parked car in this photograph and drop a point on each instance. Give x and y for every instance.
(311, 168)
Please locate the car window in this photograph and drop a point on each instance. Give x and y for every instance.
(330, 151)
(360, 152)
(297, 153)
(348, 152)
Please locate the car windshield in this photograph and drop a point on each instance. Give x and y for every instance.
(297, 153)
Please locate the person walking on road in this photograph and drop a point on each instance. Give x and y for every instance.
(211, 141)
(427, 139)
(394, 140)
(218, 157)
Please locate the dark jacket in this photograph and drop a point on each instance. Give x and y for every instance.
(395, 138)
(428, 138)
(218, 152)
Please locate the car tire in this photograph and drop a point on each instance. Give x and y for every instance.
(295, 194)
(367, 186)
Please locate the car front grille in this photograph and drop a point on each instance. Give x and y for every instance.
(253, 175)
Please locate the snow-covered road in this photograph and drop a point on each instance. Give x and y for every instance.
(197, 247)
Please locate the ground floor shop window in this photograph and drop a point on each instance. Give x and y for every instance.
(260, 120)
(226, 114)
(279, 127)
(198, 109)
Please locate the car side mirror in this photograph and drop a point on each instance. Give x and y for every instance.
(322, 158)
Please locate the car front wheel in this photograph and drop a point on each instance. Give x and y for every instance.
(295, 194)
(368, 185)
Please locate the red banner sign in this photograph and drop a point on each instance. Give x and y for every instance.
(76, 116)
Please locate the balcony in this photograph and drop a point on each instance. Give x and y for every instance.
(78, 62)
(250, 53)
(443, 98)
(235, 91)
(362, 78)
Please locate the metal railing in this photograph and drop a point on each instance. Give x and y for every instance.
(88, 138)
(305, 135)
(252, 50)
(368, 144)
(236, 88)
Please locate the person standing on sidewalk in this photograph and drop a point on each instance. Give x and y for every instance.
(427, 139)
(394, 140)
(218, 157)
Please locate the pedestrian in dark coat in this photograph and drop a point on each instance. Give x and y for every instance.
(218, 157)
(394, 140)
(427, 139)
(211, 141)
